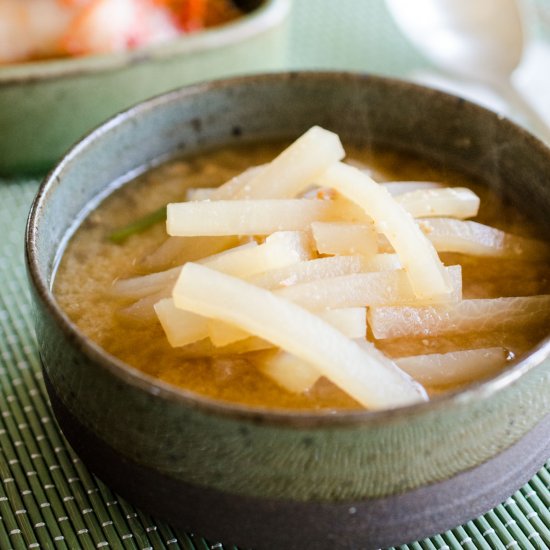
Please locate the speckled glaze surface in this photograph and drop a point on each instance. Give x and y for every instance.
(46, 106)
(303, 463)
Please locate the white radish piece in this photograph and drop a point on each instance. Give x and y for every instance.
(247, 217)
(468, 237)
(289, 372)
(311, 270)
(455, 367)
(455, 202)
(433, 370)
(144, 285)
(288, 174)
(229, 189)
(222, 334)
(418, 256)
(366, 289)
(463, 317)
(371, 379)
(344, 238)
(280, 249)
(175, 251)
(351, 322)
(142, 311)
(181, 327)
(200, 193)
(382, 262)
(400, 187)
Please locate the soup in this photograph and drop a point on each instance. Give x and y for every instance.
(91, 283)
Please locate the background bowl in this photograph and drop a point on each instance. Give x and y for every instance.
(273, 479)
(46, 106)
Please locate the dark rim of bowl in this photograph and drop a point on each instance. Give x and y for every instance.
(259, 20)
(317, 419)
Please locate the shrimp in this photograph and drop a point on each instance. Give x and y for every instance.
(31, 29)
(116, 25)
(37, 29)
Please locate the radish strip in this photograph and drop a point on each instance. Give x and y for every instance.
(311, 270)
(455, 202)
(365, 289)
(468, 237)
(351, 322)
(290, 172)
(181, 327)
(370, 378)
(246, 217)
(418, 256)
(455, 367)
(460, 318)
(344, 238)
(435, 370)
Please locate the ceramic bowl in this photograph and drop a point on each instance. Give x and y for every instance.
(46, 106)
(268, 479)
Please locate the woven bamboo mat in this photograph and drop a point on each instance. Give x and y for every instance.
(48, 499)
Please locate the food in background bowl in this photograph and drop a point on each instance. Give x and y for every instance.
(46, 105)
(262, 477)
(42, 29)
(275, 270)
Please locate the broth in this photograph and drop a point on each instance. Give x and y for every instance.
(91, 263)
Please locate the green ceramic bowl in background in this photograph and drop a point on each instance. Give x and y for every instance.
(46, 106)
(272, 479)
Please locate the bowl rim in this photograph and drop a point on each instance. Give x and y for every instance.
(268, 15)
(478, 391)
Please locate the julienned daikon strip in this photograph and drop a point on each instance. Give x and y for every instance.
(247, 217)
(176, 251)
(144, 285)
(418, 256)
(229, 189)
(455, 202)
(340, 238)
(200, 194)
(181, 327)
(310, 270)
(287, 370)
(468, 237)
(480, 315)
(142, 311)
(355, 290)
(289, 173)
(366, 289)
(396, 188)
(433, 370)
(455, 367)
(280, 249)
(324, 268)
(382, 262)
(351, 322)
(371, 379)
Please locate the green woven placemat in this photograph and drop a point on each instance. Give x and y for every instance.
(48, 499)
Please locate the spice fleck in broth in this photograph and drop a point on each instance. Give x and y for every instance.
(127, 328)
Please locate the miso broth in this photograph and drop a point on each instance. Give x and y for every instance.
(91, 264)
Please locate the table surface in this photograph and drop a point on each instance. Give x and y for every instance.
(48, 499)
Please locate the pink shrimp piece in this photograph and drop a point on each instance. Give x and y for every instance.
(116, 25)
(31, 30)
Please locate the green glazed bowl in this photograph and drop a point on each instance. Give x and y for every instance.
(272, 479)
(46, 106)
